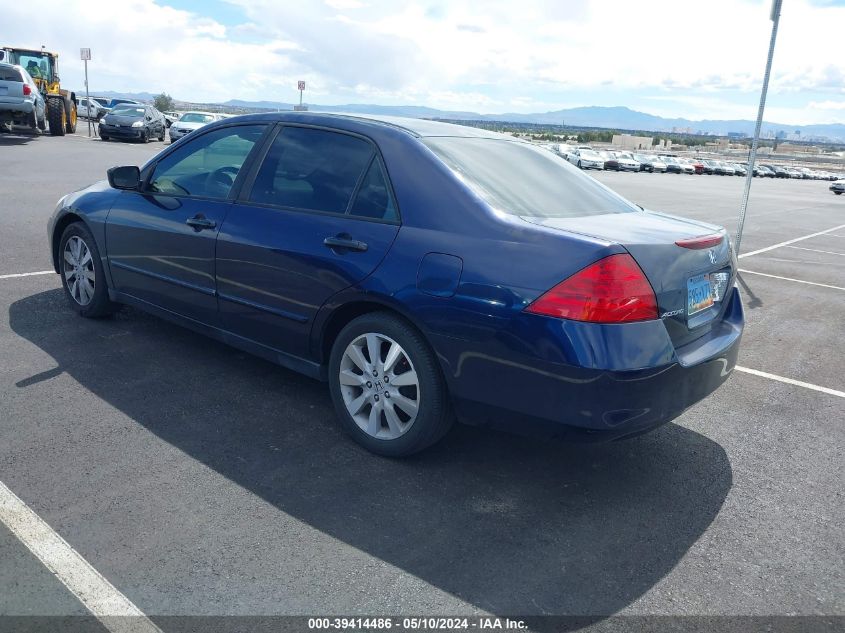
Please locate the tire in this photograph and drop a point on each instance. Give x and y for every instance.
(144, 137)
(34, 122)
(402, 432)
(838, 193)
(104, 137)
(71, 119)
(56, 116)
(161, 136)
(89, 304)
(579, 165)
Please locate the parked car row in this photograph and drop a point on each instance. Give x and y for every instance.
(585, 157)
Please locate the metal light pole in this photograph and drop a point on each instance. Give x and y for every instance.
(85, 55)
(775, 18)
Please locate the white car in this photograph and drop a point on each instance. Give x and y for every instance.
(657, 165)
(91, 108)
(626, 161)
(586, 159)
(191, 121)
(677, 166)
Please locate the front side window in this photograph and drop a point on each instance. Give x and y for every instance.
(312, 169)
(207, 165)
(523, 179)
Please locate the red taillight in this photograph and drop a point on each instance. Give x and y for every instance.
(705, 241)
(612, 290)
(26, 90)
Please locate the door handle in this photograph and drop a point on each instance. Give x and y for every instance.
(199, 223)
(345, 243)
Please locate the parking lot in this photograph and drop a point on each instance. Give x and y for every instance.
(201, 481)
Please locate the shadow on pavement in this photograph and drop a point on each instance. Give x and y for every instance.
(510, 524)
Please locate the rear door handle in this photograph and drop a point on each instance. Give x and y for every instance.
(200, 223)
(345, 243)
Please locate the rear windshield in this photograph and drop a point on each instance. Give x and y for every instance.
(10, 74)
(526, 180)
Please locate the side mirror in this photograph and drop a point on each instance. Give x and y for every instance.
(128, 177)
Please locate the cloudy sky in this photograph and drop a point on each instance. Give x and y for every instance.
(697, 59)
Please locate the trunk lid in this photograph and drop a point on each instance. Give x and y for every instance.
(673, 271)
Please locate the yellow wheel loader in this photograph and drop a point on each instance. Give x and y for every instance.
(44, 69)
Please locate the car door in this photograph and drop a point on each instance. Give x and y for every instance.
(161, 239)
(316, 216)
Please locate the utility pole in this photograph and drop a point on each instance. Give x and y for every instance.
(775, 18)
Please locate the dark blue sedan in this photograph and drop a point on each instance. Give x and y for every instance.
(426, 271)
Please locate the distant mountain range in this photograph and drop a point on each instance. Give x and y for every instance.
(618, 118)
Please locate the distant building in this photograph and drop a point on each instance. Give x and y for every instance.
(627, 141)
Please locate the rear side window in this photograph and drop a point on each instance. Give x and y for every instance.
(373, 199)
(312, 169)
(526, 180)
(10, 74)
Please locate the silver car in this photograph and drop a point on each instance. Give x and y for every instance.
(191, 121)
(21, 103)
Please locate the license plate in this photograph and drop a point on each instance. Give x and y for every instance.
(699, 294)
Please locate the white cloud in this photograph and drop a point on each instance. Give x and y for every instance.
(496, 55)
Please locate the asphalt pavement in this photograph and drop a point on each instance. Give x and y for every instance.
(199, 480)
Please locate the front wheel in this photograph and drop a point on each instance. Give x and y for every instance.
(82, 273)
(386, 386)
(56, 116)
(579, 165)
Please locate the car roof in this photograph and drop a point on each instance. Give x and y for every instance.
(415, 127)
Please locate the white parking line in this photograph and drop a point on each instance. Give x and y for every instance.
(40, 272)
(114, 610)
(797, 239)
(790, 381)
(815, 250)
(799, 281)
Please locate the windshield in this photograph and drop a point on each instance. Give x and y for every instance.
(37, 66)
(127, 111)
(588, 153)
(525, 180)
(196, 117)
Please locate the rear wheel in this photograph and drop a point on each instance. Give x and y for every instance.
(56, 116)
(161, 136)
(387, 387)
(82, 273)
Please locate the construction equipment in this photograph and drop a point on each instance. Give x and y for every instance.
(43, 66)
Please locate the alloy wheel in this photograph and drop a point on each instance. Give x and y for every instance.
(379, 385)
(79, 270)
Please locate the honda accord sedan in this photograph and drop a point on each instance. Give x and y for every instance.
(428, 272)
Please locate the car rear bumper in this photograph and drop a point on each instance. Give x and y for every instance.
(15, 106)
(630, 377)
